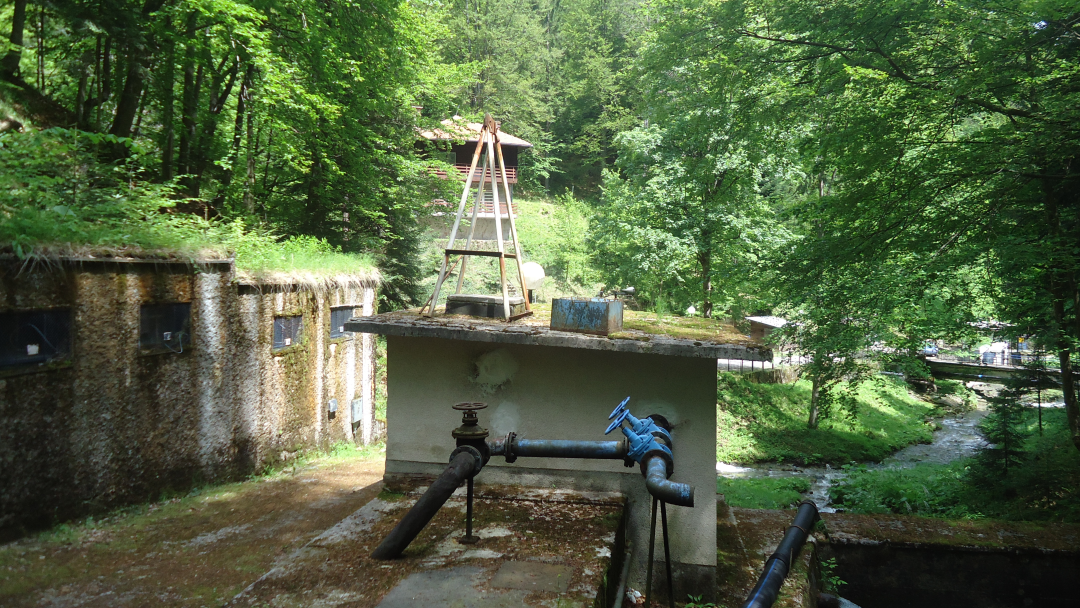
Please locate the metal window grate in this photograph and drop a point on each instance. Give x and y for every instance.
(165, 328)
(35, 337)
(287, 331)
(338, 317)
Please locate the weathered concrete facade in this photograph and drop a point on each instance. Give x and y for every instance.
(114, 423)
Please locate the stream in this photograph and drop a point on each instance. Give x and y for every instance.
(957, 438)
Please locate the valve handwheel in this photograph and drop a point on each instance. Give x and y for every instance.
(469, 406)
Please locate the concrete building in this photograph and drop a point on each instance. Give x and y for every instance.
(123, 379)
(544, 384)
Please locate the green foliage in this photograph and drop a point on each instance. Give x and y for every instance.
(766, 422)
(58, 198)
(551, 71)
(555, 235)
(1005, 429)
(763, 493)
(830, 582)
(296, 116)
(1044, 485)
(930, 490)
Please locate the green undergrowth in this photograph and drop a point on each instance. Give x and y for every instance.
(58, 198)
(767, 422)
(1044, 486)
(763, 493)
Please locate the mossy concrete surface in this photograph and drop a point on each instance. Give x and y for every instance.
(974, 535)
(535, 549)
(200, 550)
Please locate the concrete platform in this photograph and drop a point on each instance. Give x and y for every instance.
(536, 549)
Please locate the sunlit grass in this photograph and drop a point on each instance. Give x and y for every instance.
(767, 422)
(764, 493)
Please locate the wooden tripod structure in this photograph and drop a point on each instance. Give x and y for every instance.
(489, 138)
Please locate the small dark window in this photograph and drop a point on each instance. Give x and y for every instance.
(287, 331)
(165, 328)
(34, 337)
(338, 317)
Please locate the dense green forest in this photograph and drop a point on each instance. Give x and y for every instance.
(882, 172)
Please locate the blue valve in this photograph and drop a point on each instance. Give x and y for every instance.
(640, 426)
(618, 408)
(640, 434)
(618, 421)
(642, 444)
(646, 426)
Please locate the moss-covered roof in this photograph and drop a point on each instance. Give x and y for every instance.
(642, 333)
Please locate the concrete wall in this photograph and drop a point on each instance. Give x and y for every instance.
(113, 425)
(545, 392)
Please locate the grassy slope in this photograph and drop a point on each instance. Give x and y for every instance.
(767, 422)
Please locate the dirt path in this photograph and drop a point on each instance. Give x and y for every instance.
(195, 551)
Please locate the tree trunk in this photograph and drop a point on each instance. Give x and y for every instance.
(252, 150)
(1062, 288)
(221, 84)
(815, 394)
(706, 283)
(9, 65)
(127, 106)
(103, 82)
(189, 97)
(139, 53)
(168, 103)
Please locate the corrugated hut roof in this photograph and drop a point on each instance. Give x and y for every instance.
(770, 321)
(459, 130)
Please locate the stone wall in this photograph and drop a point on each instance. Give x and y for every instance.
(114, 422)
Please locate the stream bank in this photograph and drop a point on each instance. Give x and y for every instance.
(957, 438)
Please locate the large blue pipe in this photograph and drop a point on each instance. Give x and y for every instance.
(560, 448)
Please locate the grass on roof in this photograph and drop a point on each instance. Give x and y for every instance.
(58, 200)
(637, 325)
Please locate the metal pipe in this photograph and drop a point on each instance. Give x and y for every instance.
(462, 467)
(621, 588)
(667, 556)
(558, 448)
(657, 483)
(776, 568)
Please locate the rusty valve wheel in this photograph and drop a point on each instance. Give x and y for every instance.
(469, 406)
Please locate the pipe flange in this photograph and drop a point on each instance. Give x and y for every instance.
(508, 447)
(479, 458)
(669, 464)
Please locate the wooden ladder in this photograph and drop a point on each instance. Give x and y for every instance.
(489, 136)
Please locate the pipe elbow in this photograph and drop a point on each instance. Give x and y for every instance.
(671, 492)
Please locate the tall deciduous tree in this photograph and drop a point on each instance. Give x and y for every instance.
(948, 134)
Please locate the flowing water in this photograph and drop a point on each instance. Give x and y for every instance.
(957, 438)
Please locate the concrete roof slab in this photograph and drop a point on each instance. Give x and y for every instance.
(536, 332)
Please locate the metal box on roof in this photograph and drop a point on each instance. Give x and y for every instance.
(483, 305)
(587, 315)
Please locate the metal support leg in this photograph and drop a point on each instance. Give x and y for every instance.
(667, 555)
(468, 539)
(652, 545)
